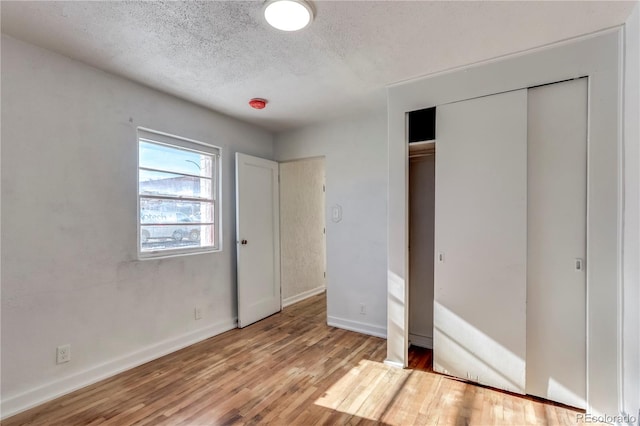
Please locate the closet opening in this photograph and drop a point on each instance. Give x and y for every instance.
(422, 162)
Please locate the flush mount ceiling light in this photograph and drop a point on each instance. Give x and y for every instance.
(288, 15)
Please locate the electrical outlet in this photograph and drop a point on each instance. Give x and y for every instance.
(197, 313)
(363, 309)
(63, 354)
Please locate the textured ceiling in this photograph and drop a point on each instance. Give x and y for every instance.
(222, 53)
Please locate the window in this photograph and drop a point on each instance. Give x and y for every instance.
(178, 202)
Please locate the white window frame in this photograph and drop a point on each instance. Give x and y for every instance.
(179, 142)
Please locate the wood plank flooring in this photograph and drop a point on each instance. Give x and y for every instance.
(290, 369)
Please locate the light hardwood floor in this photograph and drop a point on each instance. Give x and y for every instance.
(290, 369)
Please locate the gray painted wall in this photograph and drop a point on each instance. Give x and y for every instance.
(70, 273)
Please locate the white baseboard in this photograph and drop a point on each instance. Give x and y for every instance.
(360, 327)
(422, 341)
(394, 364)
(304, 295)
(55, 389)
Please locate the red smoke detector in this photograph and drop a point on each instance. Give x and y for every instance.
(258, 103)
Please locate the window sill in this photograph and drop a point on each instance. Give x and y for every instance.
(181, 253)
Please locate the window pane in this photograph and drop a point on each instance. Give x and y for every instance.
(154, 211)
(171, 237)
(172, 184)
(177, 195)
(155, 156)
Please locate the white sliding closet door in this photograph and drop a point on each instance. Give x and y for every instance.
(557, 199)
(481, 240)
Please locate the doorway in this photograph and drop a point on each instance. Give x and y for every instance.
(280, 234)
(422, 161)
(302, 229)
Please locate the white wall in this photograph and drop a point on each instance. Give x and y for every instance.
(70, 274)
(355, 150)
(597, 56)
(631, 288)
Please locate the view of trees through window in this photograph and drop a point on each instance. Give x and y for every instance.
(176, 189)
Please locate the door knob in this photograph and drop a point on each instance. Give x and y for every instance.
(243, 242)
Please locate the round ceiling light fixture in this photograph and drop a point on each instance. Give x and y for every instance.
(288, 15)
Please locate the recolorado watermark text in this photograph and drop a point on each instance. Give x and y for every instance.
(605, 418)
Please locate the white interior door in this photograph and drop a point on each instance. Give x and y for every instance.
(556, 277)
(481, 240)
(258, 241)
